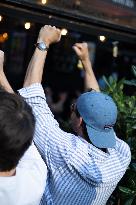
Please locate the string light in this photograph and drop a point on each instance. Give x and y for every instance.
(5, 36)
(27, 25)
(64, 32)
(102, 38)
(44, 1)
(1, 18)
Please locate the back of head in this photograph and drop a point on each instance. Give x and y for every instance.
(99, 112)
(17, 125)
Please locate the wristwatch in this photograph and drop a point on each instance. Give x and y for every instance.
(42, 46)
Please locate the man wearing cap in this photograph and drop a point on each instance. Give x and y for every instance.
(83, 169)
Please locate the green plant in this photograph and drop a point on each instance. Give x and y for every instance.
(133, 81)
(127, 189)
(126, 130)
(126, 122)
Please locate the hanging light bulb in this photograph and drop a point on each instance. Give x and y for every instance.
(44, 1)
(5, 36)
(115, 49)
(64, 32)
(1, 18)
(27, 25)
(102, 38)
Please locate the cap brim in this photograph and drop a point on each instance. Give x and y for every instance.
(101, 139)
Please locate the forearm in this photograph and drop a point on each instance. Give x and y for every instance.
(35, 68)
(47, 35)
(4, 82)
(90, 79)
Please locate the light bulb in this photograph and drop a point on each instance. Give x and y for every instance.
(102, 38)
(44, 1)
(27, 25)
(5, 35)
(64, 32)
(1, 18)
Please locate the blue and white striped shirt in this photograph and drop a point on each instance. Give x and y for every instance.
(78, 172)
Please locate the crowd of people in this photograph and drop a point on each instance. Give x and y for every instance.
(42, 164)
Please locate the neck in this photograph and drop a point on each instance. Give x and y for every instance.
(85, 136)
(8, 173)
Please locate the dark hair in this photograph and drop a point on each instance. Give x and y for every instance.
(17, 125)
(83, 123)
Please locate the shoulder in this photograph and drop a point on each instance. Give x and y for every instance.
(123, 148)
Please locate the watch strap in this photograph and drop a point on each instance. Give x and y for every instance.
(38, 45)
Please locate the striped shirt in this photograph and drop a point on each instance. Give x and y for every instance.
(78, 172)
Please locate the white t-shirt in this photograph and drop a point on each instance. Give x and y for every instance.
(27, 186)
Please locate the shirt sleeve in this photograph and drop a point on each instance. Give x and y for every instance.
(55, 145)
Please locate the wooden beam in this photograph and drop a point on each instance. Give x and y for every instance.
(62, 18)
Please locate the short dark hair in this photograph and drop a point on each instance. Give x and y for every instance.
(17, 124)
(74, 109)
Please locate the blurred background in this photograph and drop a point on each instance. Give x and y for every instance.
(109, 27)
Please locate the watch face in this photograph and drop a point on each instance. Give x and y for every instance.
(42, 46)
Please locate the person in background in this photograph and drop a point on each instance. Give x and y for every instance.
(56, 107)
(83, 169)
(23, 173)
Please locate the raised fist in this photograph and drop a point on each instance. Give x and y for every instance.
(81, 50)
(49, 34)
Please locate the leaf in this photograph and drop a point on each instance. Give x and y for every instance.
(106, 81)
(130, 82)
(134, 70)
(111, 80)
(120, 84)
(126, 190)
(134, 127)
(133, 166)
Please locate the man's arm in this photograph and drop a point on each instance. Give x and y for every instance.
(82, 52)
(48, 136)
(3, 80)
(48, 35)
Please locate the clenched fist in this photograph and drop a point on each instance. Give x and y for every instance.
(49, 34)
(81, 50)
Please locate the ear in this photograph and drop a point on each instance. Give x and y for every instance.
(80, 121)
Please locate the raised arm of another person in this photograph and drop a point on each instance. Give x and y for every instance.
(54, 145)
(49, 138)
(82, 52)
(3, 80)
(47, 36)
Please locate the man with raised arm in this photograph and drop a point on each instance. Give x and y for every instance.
(83, 169)
(22, 171)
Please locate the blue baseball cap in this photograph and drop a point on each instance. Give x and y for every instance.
(99, 112)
